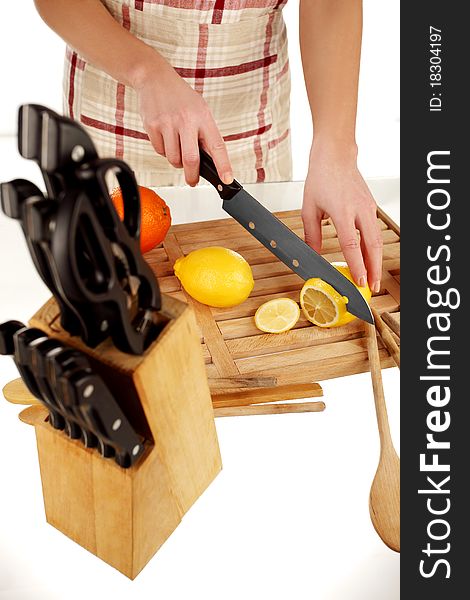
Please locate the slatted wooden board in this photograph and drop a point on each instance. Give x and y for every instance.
(238, 356)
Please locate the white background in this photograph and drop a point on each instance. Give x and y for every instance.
(288, 515)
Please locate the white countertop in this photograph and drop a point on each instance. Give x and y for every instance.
(287, 517)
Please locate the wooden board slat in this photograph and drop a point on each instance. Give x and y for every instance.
(231, 344)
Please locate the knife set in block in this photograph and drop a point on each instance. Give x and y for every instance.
(125, 425)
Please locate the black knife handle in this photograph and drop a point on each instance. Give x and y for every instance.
(22, 200)
(38, 366)
(100, 168)
(62, 361)
(57, 144)
(208, 171)
(104, 416)
(86, 256)
(23, 339)
(7, 331)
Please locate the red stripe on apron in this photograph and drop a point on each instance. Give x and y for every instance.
(120, 95)
(218, 12)
(281, 138)
(240, 136)
(141, 135)
(201, 58)
(73, 67)
(283, 71)
(260, 172)
(116, 129)
(261, 63)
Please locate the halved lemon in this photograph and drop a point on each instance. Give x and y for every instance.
(322, 305)
(277, 315)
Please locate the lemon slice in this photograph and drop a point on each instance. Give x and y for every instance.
(277, 315)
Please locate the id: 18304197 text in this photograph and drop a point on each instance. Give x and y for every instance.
(435, 69)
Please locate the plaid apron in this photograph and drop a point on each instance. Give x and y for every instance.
(233, 52)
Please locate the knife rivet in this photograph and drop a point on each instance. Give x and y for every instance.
(78, 152)
(273, 244)
(220, 188)
(251, 225)
(135, 450)
(295, 262)
(88, 391)
(117, 424)
(104, 325)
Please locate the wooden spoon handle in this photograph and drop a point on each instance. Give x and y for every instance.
(269, 409)
(393, 321)
(387, 337)
(377, 386)
(16, 392)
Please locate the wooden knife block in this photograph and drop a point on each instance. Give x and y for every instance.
(124, 515)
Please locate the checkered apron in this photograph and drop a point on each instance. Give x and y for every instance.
(233, 52)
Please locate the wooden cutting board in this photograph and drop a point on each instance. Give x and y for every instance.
(241, 359)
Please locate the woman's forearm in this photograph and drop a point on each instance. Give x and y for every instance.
(330, 38)
(90, 29)
(330, 41)
(175, 116)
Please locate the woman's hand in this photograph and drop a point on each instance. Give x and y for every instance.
(177, 120)
(335, 188)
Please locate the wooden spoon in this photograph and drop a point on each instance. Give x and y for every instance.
(384, 499)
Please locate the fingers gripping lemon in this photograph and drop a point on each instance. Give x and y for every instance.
(215, 276)
(323, 305)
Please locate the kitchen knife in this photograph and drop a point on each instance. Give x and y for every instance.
(48, 369)
(78, 400)
(103, 414)
(38, 365)
(87, 256)
(16, 340)
(62, 362)
(57, 144)
(21, 200)
(280, 240)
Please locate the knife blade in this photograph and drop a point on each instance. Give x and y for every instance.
(280, 240)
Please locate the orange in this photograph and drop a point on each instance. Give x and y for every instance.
(156, 216)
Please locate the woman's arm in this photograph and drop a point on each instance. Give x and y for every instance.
(330, 41)
(175, 117)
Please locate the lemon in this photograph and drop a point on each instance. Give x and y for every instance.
(323, 305)
(215, 276)
(277, 315)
